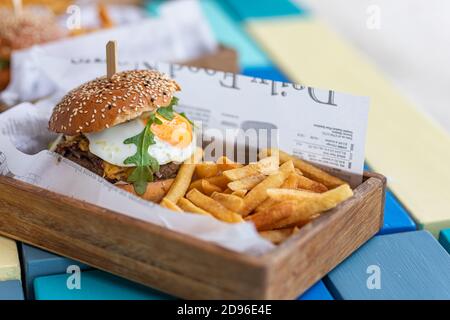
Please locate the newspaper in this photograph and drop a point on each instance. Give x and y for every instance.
(323, 126)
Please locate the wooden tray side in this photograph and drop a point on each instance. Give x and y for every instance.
(182, 265)
(324, 243)
(142, 252)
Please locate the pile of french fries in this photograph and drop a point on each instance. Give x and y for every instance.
(279, 193)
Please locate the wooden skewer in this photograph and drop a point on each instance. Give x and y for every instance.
(18, 7)
(111, 59)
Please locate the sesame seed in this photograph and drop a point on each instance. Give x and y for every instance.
(138, 89)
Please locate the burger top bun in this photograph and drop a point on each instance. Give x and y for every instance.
(103, 103)
(20, 31)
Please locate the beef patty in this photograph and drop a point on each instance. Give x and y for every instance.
(76, 149)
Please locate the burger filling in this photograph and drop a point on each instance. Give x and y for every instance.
(148, 148)
(76, 149)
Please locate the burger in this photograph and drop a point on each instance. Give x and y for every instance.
(124, 129)
(21, 31)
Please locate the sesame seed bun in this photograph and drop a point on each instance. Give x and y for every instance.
(103, 103)
(25, 30)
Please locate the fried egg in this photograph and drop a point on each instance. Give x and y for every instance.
(174, 141)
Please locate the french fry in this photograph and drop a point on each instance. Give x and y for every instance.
(267, 166)
(311, 185)
(232, 202)
(225, 164)
(307, 169)
(277, 236)
(265, 204)
(240, 173)
(258, 194)
(229, 166)
(279, 194)
(188, 206)
(214, 207)
(166, 203)
(208, 188)
(267, 219)
(247, 182)
(306, 210)
(240, 193)
(155, 190)
(184, 177)
(220, 181)
(291, 182)
(197, 184)
(278, 199)
(206, 170)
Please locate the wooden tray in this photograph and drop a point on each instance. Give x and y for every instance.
(181, 265)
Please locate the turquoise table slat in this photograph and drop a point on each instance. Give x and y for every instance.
(396, 218)
(94, 285)
(269, 72)
(251, 9)
(317, 292)
(152, 6)
(444, 239)
(228, 31)
(37, 263)
(11, 290)
(408, 265)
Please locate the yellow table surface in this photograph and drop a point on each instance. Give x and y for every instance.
(403, 143)
(9, 260)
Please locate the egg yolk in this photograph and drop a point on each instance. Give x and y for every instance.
(177, 132)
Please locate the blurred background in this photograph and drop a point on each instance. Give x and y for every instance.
(406, 39)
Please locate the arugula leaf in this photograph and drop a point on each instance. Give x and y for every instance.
(167, 112)
(154, 119)
(140, 177)
(146, 165)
